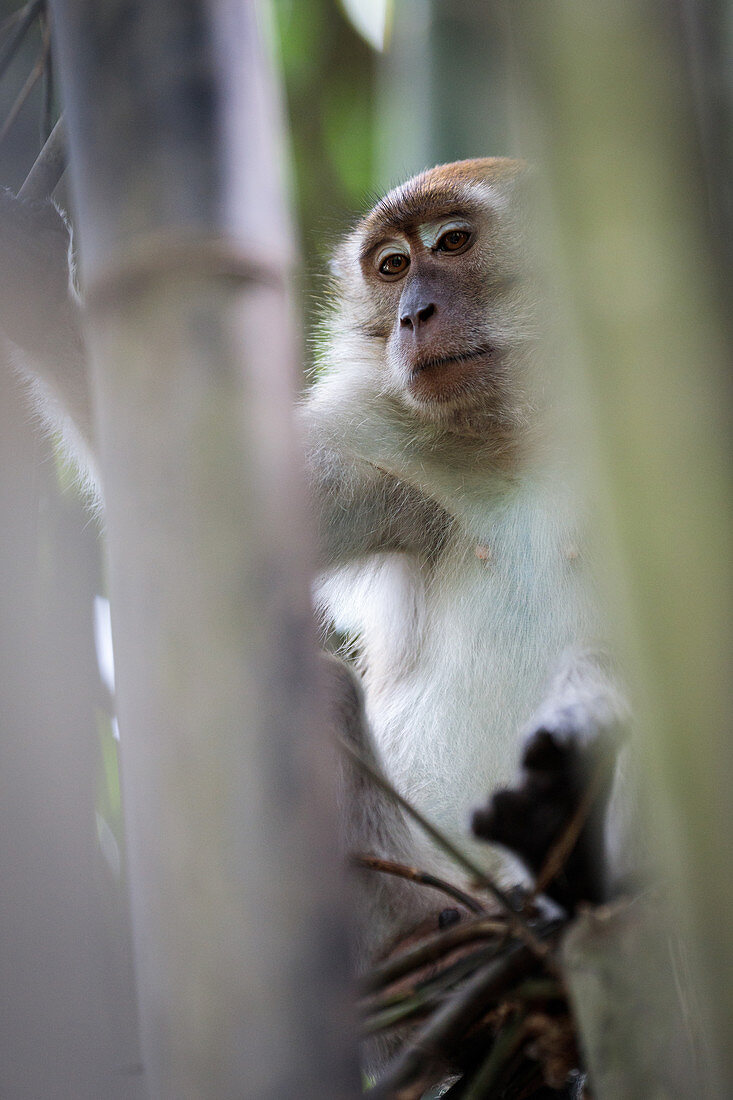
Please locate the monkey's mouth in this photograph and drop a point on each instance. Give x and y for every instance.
(452, 381)
(435, 363)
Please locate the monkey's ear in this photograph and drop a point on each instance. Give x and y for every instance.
(345, 259)
(336, 266)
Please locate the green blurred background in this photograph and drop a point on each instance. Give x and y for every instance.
(376, 91)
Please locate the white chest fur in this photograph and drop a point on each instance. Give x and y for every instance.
(457, 654)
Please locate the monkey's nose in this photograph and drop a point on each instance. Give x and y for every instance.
(419, 315)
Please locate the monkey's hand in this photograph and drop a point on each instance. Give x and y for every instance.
(555, 817)
(37, 312)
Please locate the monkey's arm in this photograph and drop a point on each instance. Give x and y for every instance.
(361, 509)
(40, 316)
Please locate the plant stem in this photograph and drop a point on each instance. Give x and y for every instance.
(518, 924)
(413, 874)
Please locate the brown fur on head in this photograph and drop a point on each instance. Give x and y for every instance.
(434, 278)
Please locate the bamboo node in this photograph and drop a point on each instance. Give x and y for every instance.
(164, 254)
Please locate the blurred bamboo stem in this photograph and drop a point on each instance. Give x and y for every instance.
(610, 121)
(235, 883)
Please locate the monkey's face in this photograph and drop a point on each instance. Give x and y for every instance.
(441, 289)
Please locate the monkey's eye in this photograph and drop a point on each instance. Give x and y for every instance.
(393, 265)
(453, 241)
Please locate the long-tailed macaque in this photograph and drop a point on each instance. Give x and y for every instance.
(451, 549)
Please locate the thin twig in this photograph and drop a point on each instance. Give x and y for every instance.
(47, 100)
(9, 50)
(560, 851)
(449, 1021)
(428, 951)
(518, 924)
(506, 1044)
(383, 1013)
(425, 993)
(10, 20)
(49, 165)
(413, 874)
(540, 989)
(389, 1016)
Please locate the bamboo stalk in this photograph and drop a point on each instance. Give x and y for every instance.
(226, 772)
(610, 116)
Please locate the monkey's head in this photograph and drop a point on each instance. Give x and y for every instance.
(433, 292)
